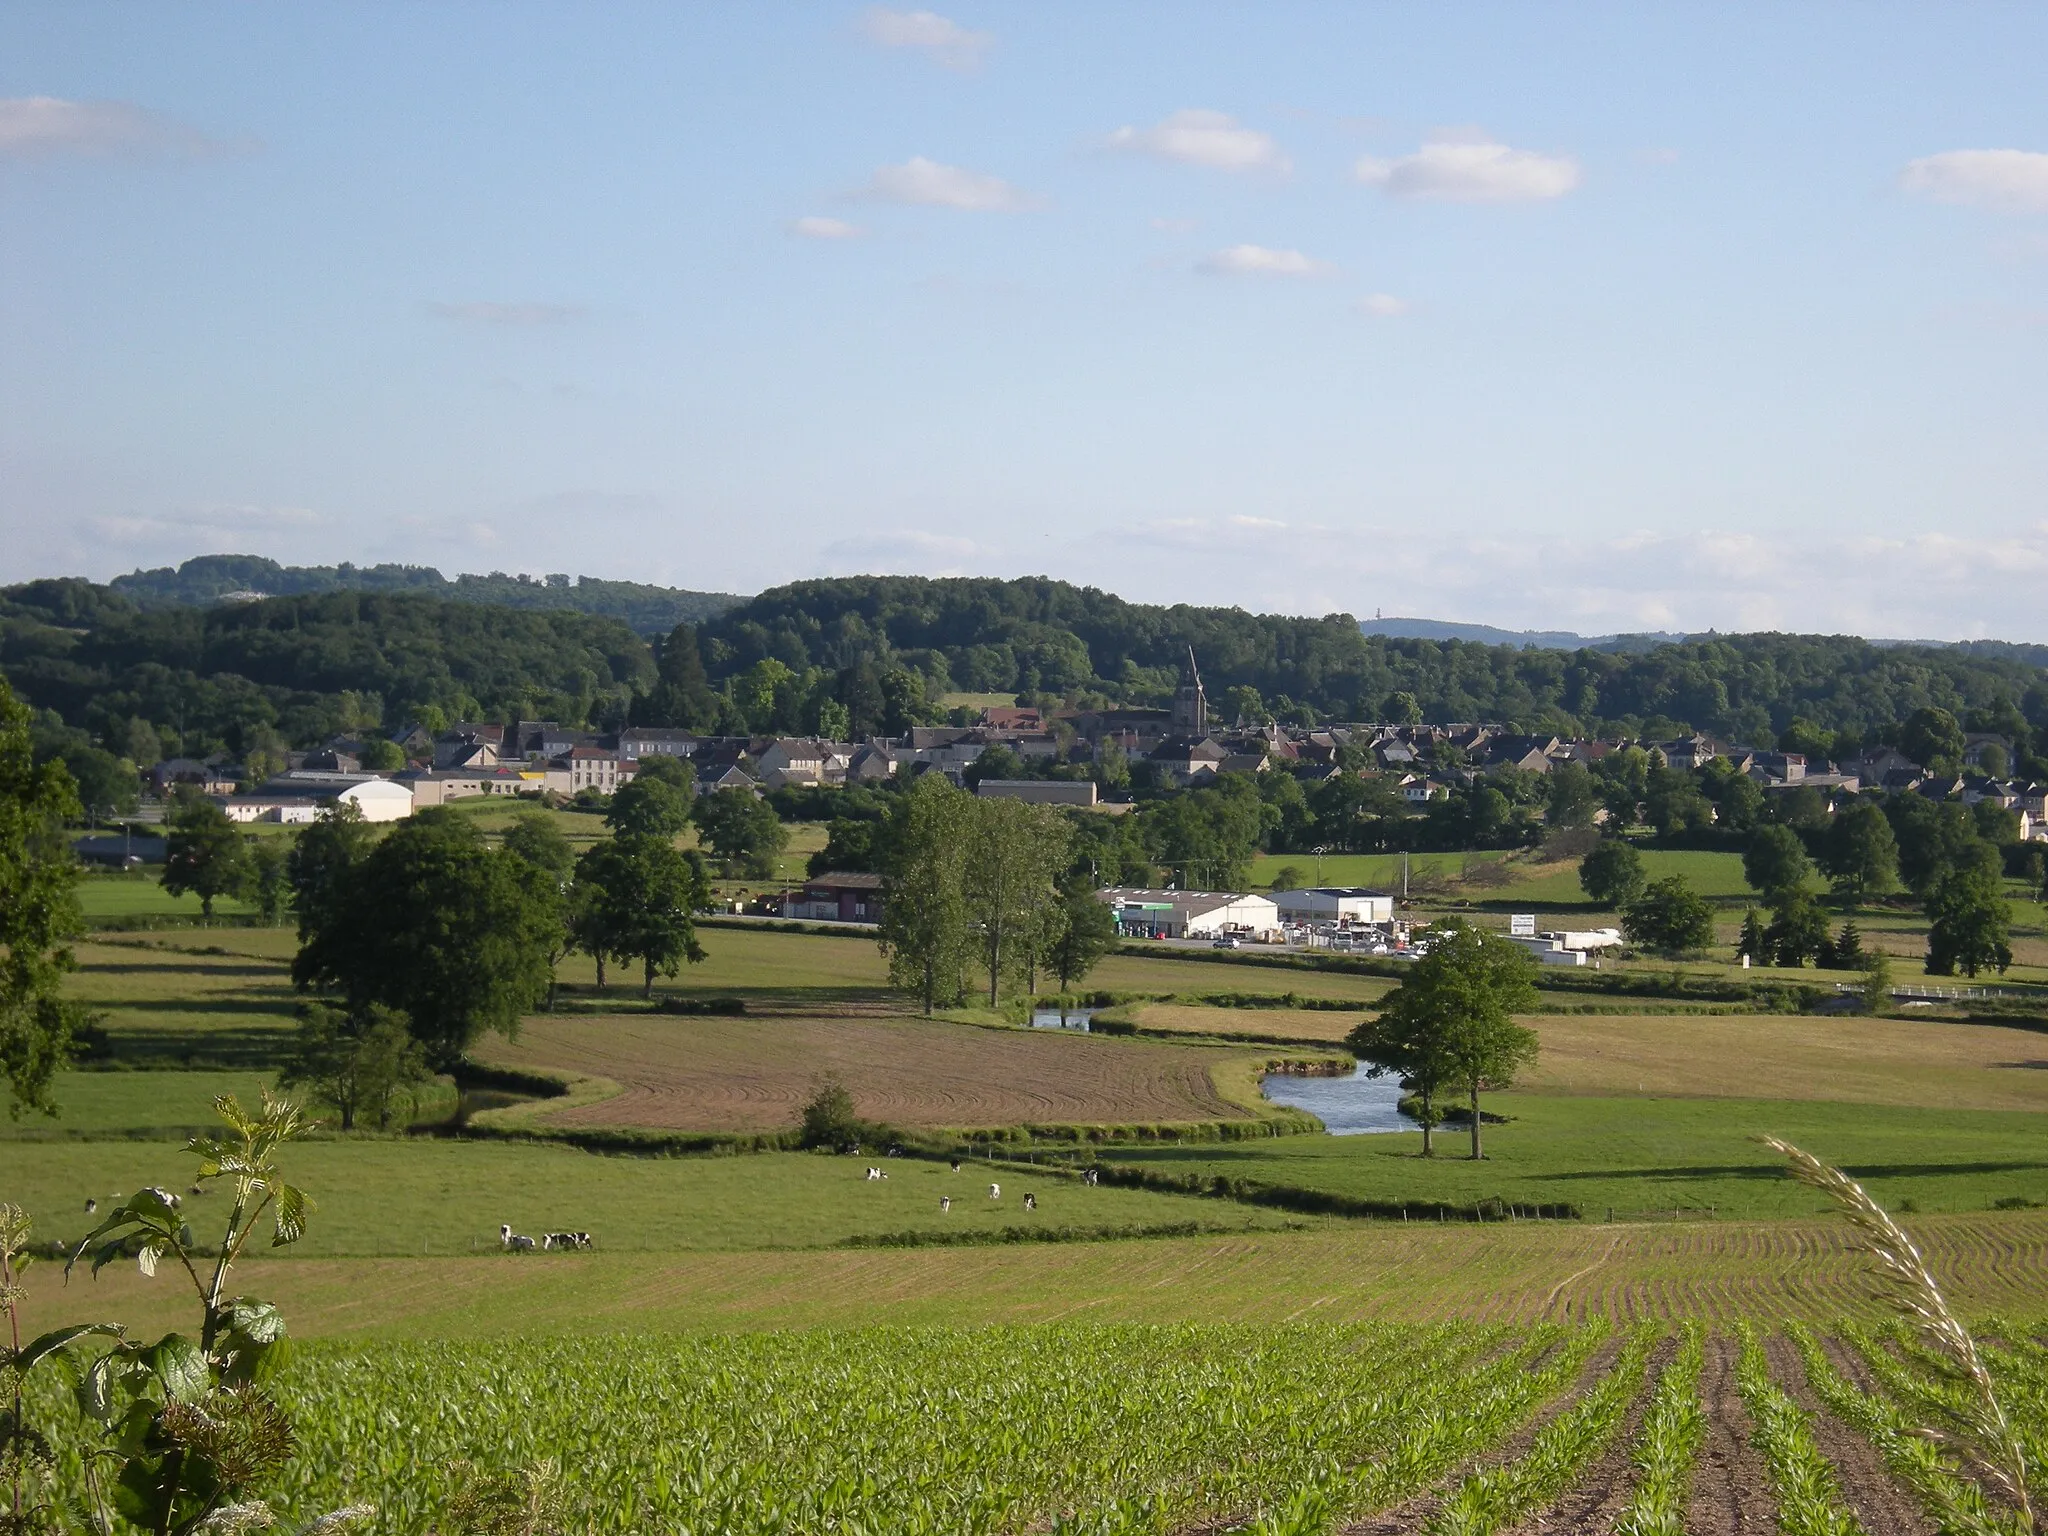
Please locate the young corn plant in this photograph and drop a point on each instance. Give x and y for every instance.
(184, 1424)
(1977, 1424)
(1668, 1444)
(1809, 1499)
(1500, 1496)
(1950, 1497)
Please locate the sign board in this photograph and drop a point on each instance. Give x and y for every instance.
(1522, 925)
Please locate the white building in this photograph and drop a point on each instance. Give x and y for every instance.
(1190, 914)
(300, 797)
(1335, 904)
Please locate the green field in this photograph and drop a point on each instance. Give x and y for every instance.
(142, 895)
(1641, 1155)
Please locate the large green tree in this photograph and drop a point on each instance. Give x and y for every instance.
(924, 932)
(321, 859)
(1612, 874)
(638, 900)
(38, 912)
(1451, 1021)
(742, 832)
(1087, 932)
(650, 805)
(1932, 738)
(205, 854)
(359, 1065)
(1775, 862)
(1669, 917)
(436, 924)
(1009, 880)
(1969, 925)
(1859, 854)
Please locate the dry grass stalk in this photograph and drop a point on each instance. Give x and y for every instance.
(1982, 1430)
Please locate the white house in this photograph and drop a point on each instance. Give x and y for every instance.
(1190, 914)
(1335, 904)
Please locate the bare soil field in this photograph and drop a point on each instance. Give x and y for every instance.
(1922, 1062)
(754, 1074)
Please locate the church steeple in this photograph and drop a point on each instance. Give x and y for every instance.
(1191, 705)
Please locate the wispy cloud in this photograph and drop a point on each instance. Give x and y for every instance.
(929, 184)
(2002, 180)
(939, 38)
(818, 227)
(1459, 170)
(37, 127)
(186, 526)
(526, 315)
(1381, 306)
(1264, 261)
(905, 552)
(1215, 140)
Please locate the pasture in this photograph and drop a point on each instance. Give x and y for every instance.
(1643, 1155)
(755, 1073)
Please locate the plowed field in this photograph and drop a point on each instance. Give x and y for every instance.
(754, 1074)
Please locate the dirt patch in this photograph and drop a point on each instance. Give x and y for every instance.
(1414, 1514)
(1731, 1491)
(1879, 1502)
(754, 1074)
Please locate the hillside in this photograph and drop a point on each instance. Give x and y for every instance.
(302, 667)
(207, 579)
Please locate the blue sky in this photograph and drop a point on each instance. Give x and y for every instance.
(1586, 316)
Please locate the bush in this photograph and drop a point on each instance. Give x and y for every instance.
(828, 1119)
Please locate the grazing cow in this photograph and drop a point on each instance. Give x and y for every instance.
(514, 1242)
(91, 1206)
(874, 1172)
(164, 1195)
(945, 1202)
(1093, 1176)
(995, 1191)
(895, 1150)
(582, 1239)
(956, 1165)
(1030, 1202)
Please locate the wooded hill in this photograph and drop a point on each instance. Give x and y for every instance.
(304, 667)
(206, 579)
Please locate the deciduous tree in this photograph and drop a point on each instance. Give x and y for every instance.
(643, 897)
(360, 1064)
(742, 832)
(205, 854)
(1612, 874)
(38, 912)
(1969, 925)
(924, 932)
(1775, 862)
(1016, 853)
(1669, 917)
(1859, 854)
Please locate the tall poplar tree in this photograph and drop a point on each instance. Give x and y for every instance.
(925, 933)
(1010, 881)
(38, 912)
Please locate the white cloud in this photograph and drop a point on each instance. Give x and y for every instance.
(185, 526)
(905, 552)
(938, 38)
(1215, 140)
(39, 126)
(1461, 171)
(1264, 261)
(930, 184)
(1381, 306)
(2002, 180)
(484, 312)
(817, 227)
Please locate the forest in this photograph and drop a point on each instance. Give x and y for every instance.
(140, 675)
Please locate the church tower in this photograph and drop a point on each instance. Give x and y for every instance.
(1191, 705)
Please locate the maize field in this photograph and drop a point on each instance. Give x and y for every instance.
(1456, 1429)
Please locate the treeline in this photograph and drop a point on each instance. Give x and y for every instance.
(1047, 637)
(206, 579)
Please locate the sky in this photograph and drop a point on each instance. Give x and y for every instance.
(1587, 316)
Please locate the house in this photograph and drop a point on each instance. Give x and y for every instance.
(300, 796)
(1877, 765)
(836, 898)
(1080, 792)
(1190, 914)
(1528, 754)
(1777, 768)
(1186, 759)
(1006, 717)
(544, 739)
(644, 741)
(596, 768)
(1335, 904)
(207, 778)
(438, 786)
(803, 760)
(872, 763)
(713, 778)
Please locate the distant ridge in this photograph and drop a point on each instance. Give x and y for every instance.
(1522, 639)
(206, 580)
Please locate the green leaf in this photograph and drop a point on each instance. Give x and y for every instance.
(292, 1206)
(56, 1339)
(257, 1321)
(180, 1364)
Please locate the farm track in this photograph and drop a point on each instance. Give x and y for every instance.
(1413, 1515)
(1883, 1507)
(755, 1073)
(1593, 1504)
(1730, 1489)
